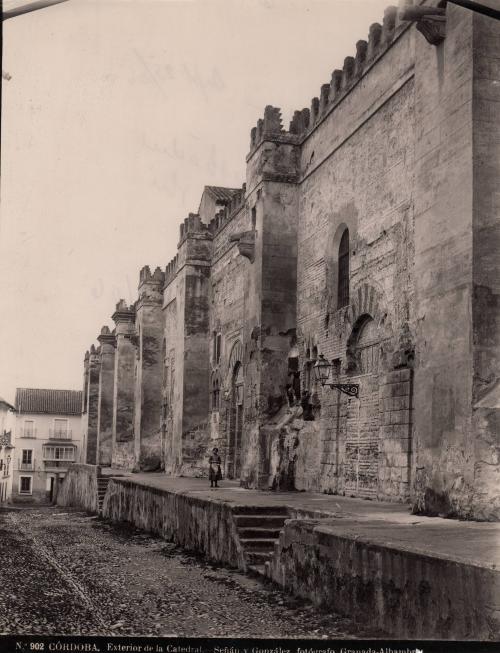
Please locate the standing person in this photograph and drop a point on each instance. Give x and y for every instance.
(214, 462)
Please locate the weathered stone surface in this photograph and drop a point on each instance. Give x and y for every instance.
(92, 407)
(106, 396)
(402, 591)
(124, 454)
(79, 488)
(149, 329)
(196, 524)
(397, 163)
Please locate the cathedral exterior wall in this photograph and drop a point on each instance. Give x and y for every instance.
(368, 234)
(363, 183)
(229, 275)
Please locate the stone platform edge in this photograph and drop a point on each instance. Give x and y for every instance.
(400, 590)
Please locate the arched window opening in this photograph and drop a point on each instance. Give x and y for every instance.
(343, 271)
(217, 339)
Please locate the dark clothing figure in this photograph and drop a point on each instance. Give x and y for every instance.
(214, 471)
(307, 408)
(290, 395)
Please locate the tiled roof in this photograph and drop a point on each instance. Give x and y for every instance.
(6, 403)
(54, 402)
(221, 194)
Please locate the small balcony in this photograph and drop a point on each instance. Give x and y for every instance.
(59, 434)
(56, 464)
(26, 467)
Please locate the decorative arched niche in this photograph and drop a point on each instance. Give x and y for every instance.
(368, 316)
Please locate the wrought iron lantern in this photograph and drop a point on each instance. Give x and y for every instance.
(323, 374)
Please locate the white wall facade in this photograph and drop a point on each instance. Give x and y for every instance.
(45, 446)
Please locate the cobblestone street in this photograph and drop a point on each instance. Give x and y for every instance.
(66, 572)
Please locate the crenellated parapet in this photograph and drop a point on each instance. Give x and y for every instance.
(150, 285)
(191, 226)
(171, 270)
(270, 127)
(145, 276)
(380, 37)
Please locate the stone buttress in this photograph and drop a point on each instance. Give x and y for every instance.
(187, 338)
(124, 388)
(107, 342)
(149, 336)
(94, 365)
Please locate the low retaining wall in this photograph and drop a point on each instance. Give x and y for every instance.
(79, 488)
(397, 589)
(205, 526)
(404, 593)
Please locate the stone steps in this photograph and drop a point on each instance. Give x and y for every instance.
(258, 530)
(258, 558)
(258, 544)
(102, 486)
(260, 521)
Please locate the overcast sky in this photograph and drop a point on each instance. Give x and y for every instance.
(116, 114)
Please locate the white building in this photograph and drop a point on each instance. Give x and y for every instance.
(7, 421)
(47, 439)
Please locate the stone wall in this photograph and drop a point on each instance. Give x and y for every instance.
(79, 487)
(106, 390)
(405, 593)
(92, 406)
(486, 266)
(357, 174)
(124, 455)
(398, 158)
(228, 280)
(456, 270)
(149, 328)
(199, 525)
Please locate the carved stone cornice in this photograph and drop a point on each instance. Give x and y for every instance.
(245, 241)
(430, 22)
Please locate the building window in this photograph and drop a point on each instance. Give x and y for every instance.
(29, 428)
(25, 484)
(343, 271)
(215, 392)
(217, 347)
(60, 427)
(59, 453)
(27, 458)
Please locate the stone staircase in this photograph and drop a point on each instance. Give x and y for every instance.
(258, 529)
(102, 485)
